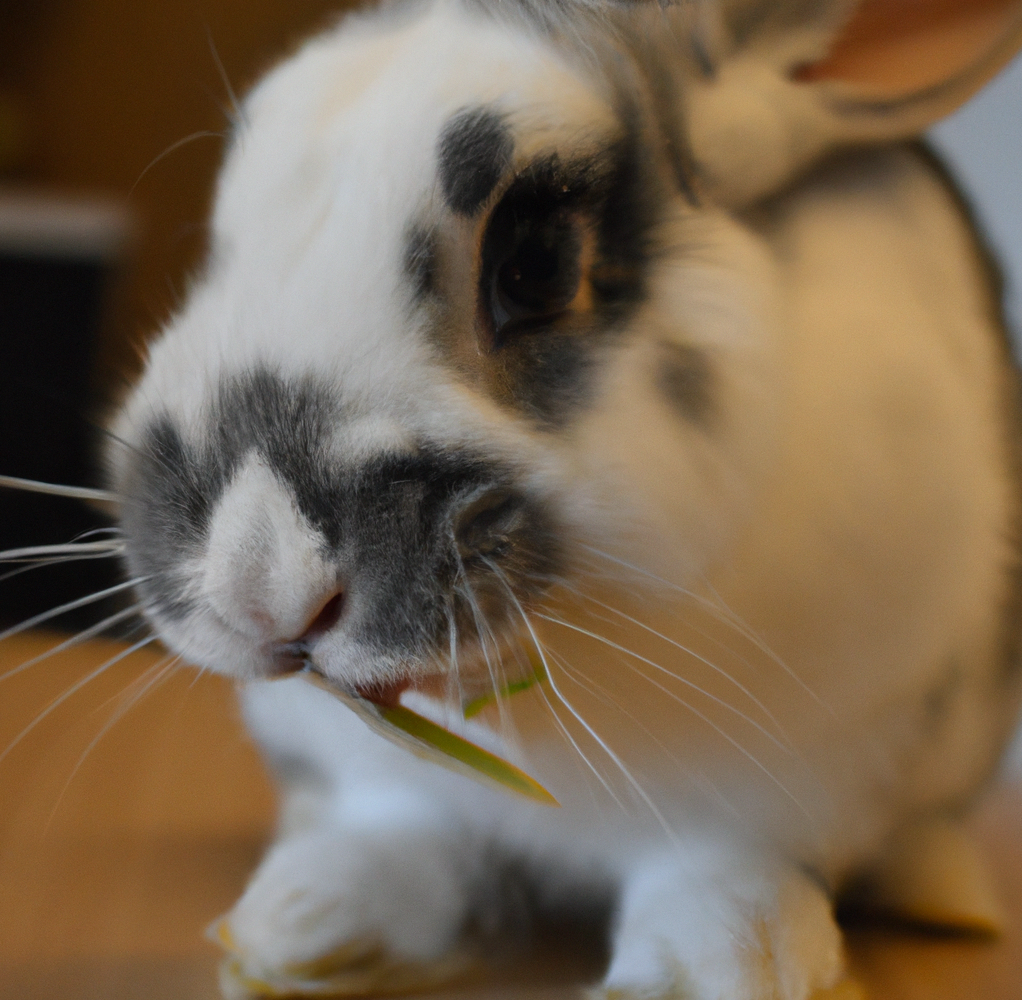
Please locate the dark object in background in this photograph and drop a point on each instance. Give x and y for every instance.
(56, 261)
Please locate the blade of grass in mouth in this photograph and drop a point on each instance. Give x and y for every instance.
(432, 742)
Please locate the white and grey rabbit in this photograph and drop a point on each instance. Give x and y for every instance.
(604, 344)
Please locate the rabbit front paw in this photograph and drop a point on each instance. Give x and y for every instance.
(687, 933)
(335, 913)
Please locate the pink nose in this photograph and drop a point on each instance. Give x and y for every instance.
(290, 656)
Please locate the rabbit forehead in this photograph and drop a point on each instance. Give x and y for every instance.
(349, 129)
(346, 149)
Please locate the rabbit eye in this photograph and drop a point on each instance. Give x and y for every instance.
(532, 267)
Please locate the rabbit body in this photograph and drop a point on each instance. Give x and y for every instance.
(739, 465)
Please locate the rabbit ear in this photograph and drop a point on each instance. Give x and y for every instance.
(786, 81)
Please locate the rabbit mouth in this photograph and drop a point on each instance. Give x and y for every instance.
(383, 693)
(472, 687)
(386, 694)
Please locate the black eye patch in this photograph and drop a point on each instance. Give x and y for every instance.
(532, 266)
(474, 151)
(563, 261)
(533, 252)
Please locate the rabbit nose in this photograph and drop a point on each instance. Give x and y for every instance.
(291, 656)
(266, 575)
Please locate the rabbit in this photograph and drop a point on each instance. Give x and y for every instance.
(621, 354)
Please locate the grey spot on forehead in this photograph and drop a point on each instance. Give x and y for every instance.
(685, 377)
(474, 151)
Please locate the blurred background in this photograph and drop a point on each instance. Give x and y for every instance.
(983, 144)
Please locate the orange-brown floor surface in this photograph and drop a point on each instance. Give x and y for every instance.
(124, 833)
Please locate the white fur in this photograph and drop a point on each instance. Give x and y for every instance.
(782, 591)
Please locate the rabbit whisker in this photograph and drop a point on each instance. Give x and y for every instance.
(600, 742)
(110, 529)
(691, 708)
(144, 452)
(786, 739)
(58, 561)
(598, 691)
(561, 663)
(484, 631)
(80, 637)
(722, 612)
(744, 630)
(454, 696)
(608, 750)
(162, 670)
(203, 134)
(33, 552)
(77, 686)
(580, 753)
(81, 602)
(237, 118)
(565, 732)
(786, 747)
(53, 489)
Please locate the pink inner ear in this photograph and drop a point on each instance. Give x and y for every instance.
(896, 47)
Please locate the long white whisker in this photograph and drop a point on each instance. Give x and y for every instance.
(566, 733)
(709, 663)
(163, 669)
(600, 742)
(75, 640)
(719, 611)
(727, 706)
(747, 632)
(483, 630)
(238, 118)
(454, 696)
(171, 660)
(722, 612)
(204, 134)
(148, 453)
(200, 672)
(78, 492)
(110, 529)
(605, 747)
(609, 789)
(111, 548)
(600, 692)
(70, 606)
(77, 686)
(700, 715)
(35, 564)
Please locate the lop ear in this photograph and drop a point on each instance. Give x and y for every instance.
(782, 82)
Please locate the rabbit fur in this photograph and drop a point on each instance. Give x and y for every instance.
(739, 465)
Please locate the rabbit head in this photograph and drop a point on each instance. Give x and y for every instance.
(480, 301)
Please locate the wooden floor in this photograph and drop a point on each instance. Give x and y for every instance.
(124, 833)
